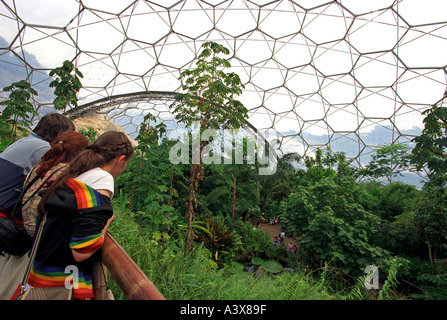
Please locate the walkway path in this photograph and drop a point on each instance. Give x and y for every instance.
(274, 230)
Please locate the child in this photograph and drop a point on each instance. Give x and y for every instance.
(79, 212)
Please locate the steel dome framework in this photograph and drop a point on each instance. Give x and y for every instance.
(348, 74)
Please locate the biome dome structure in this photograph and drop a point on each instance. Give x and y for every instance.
(348, 74)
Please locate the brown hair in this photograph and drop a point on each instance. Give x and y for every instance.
(108, 146)
(53, 124)
(63, 149)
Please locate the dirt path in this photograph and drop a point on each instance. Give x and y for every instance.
(274, 230)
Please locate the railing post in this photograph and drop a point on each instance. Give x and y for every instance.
(129, 277)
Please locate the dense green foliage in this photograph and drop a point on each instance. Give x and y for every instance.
(326, 212)
(338, 221)
(66, 85)
(18, 111)
(15, 117)
(180, 274)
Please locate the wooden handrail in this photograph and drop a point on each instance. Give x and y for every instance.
(129, 277)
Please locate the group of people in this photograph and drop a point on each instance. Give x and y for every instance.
(292, 247)
(277, 240)
(55, 173)
(274, 220)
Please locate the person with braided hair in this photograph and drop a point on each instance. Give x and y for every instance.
(78, 213)
(102, 177)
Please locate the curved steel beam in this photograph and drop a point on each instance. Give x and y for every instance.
(111, 101)
(119, 99)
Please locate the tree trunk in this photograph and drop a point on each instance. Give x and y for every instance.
(196, 174)
(264, 201)
(99, 281)
(140, 165)
(233, 202)
(435, 254)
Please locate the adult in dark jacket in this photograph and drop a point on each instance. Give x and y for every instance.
(17, 160)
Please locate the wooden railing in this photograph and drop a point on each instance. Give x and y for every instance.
(129, 277)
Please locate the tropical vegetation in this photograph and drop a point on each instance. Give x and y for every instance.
(194, 229)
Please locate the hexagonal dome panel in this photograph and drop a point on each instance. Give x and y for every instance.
(347, 74)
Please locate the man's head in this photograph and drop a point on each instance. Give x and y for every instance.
(51, 125)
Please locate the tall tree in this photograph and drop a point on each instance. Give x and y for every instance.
(16, 114)
(388, 161)
(208, 99)
(66, 85)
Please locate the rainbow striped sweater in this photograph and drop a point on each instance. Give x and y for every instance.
(76, 216)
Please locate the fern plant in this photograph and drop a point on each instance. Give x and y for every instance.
(389, 287)
(358, 291)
